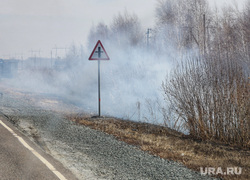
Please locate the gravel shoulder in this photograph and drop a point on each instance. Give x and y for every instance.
(88, 153)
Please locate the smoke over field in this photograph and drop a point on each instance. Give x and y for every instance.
(130, 82)
(200, 54)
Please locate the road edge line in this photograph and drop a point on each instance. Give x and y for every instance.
(42, 159)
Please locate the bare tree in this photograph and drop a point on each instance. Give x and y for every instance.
(126, 29)
(212, 98)
(183, 24)
(99, 32)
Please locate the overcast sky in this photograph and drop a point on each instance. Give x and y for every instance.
(27, 25)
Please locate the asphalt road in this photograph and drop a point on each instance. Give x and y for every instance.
(21, 159)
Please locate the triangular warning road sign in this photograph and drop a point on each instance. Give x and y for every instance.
(99, 53)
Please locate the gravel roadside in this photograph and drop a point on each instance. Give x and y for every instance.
(88, 153)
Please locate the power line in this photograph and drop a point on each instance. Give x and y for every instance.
(58, 48)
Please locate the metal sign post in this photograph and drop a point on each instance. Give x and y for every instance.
(99, 53)
(99, 89)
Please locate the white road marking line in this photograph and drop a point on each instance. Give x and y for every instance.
(44, 161)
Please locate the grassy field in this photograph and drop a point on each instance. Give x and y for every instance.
(172, 145)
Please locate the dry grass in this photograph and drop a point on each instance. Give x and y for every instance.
(172, 145)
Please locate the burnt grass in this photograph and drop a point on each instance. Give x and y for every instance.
(172, 145)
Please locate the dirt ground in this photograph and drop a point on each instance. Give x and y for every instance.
(172, 145)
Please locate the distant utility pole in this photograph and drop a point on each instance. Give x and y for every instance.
(206, 33)
(59, 48)
(37, 51)
(205, 30)
(34, 52)
(148, 33)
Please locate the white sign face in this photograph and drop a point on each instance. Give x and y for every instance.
(99, 52)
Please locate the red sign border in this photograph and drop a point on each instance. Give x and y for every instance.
(90, 57)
